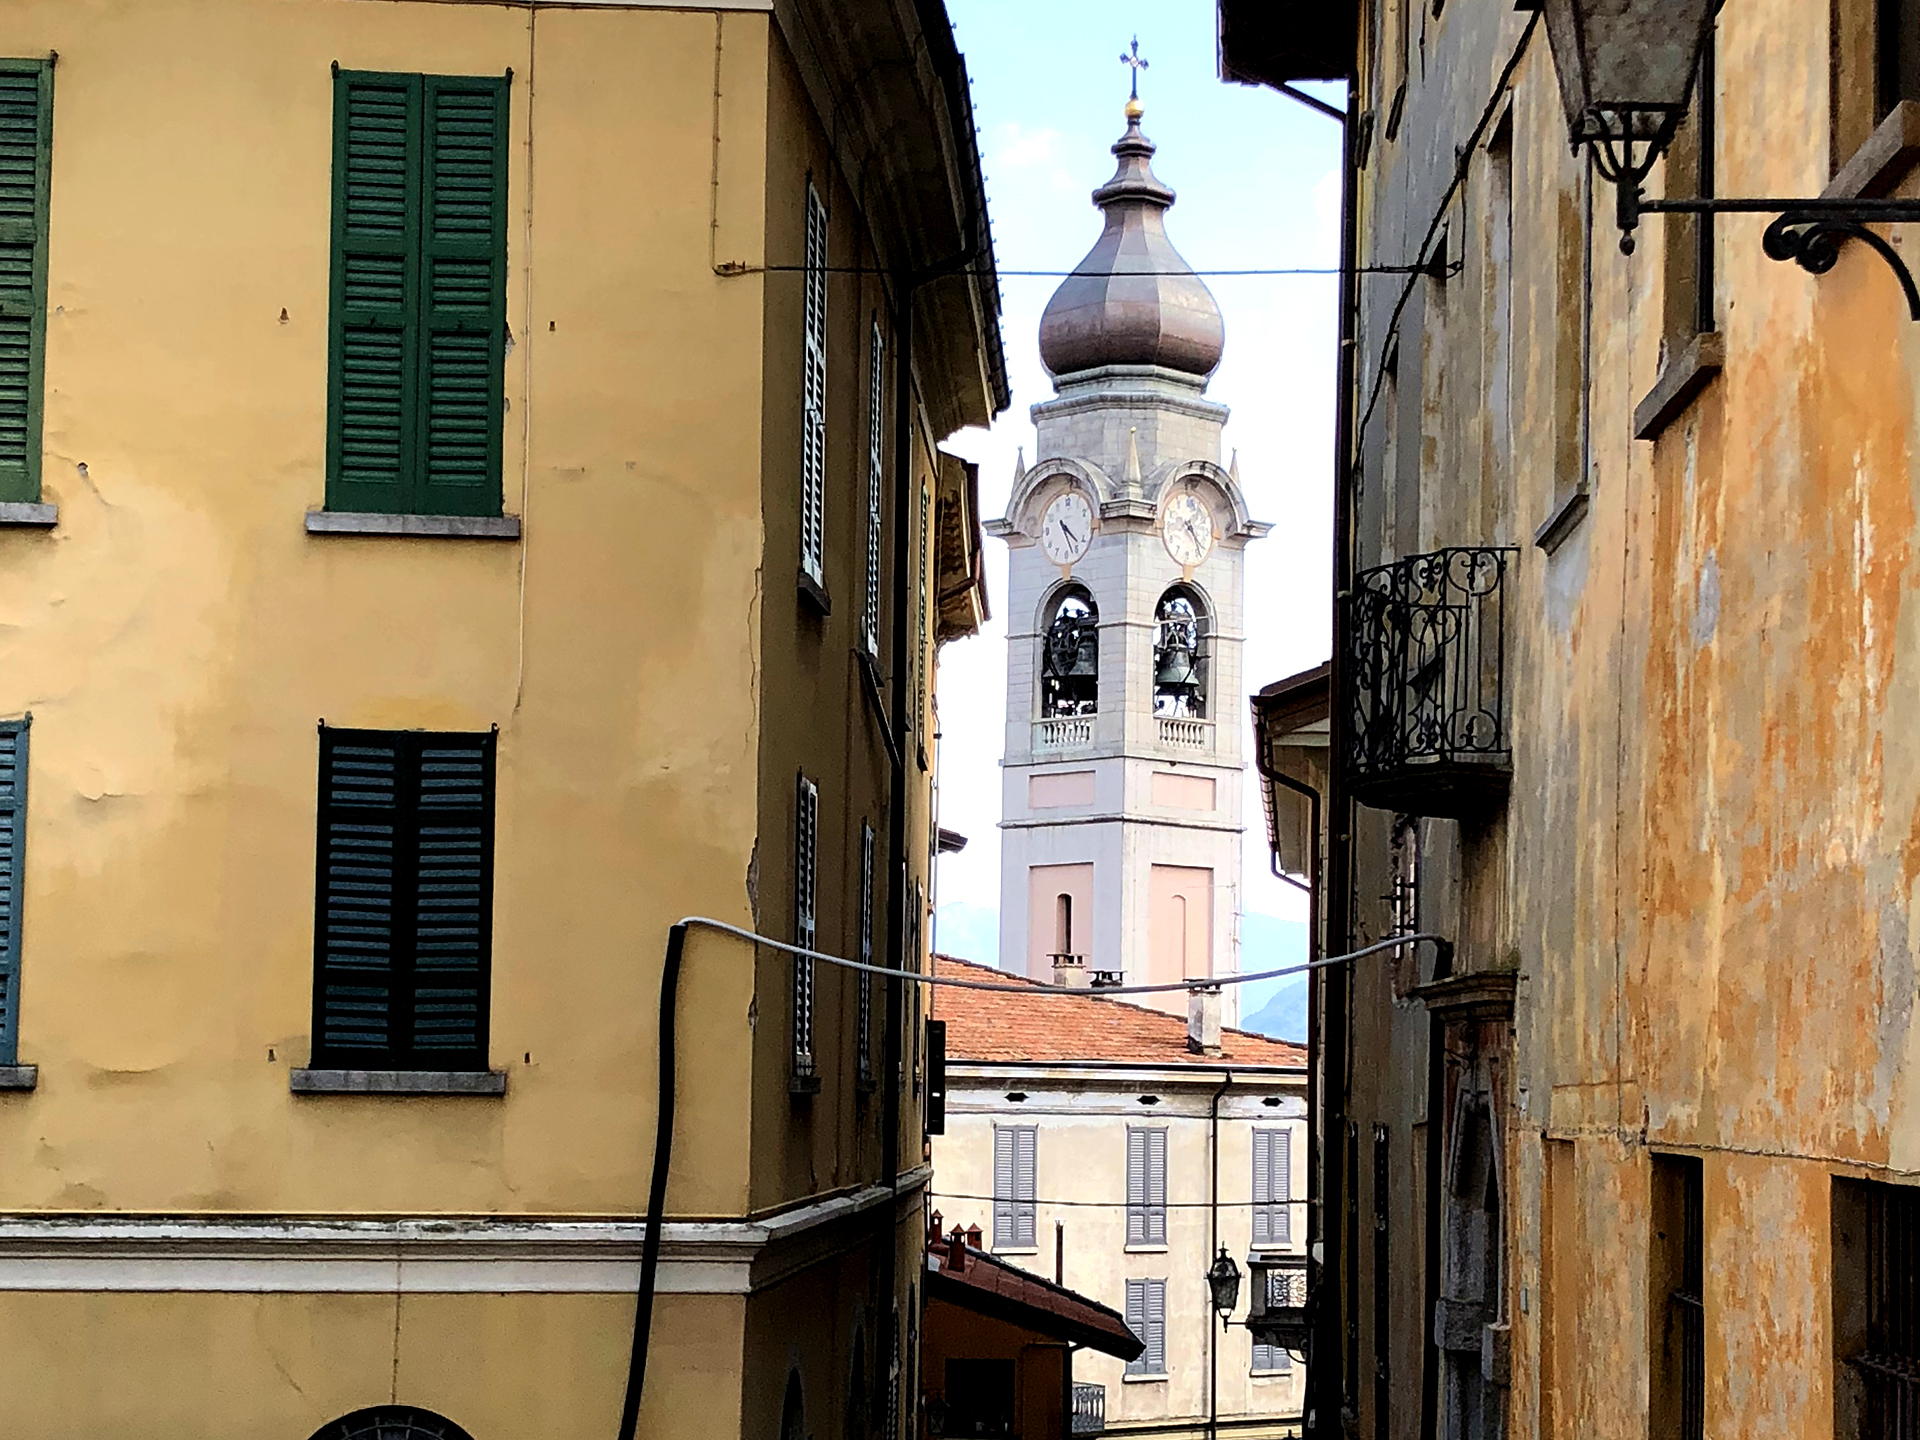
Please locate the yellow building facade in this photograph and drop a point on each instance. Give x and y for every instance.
(472, 502)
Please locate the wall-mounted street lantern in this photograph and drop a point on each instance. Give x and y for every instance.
(1224, 1281)
(1626, 72)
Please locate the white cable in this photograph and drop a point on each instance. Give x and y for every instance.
(1035, 988)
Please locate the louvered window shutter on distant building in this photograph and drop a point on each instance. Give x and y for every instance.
(1147, 1318)
(404, 935)
(1272, 1180)
(418, 321)
(813, 399)
(1146, 1186)
(26, 157)
(1015, 1153)
(13, 837)
(806, 861)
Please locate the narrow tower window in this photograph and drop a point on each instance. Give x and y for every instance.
(1180, 656)
(1063, 924)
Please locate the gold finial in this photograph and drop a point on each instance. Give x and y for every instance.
(1131, 58)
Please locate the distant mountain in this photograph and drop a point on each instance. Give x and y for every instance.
(1284, 1017)
(1268, 943)
(968, 932)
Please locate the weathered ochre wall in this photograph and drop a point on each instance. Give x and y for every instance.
(178, 636)
(1706, 872)
(223, 1367)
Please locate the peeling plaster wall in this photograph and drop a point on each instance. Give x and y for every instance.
(1705, 876)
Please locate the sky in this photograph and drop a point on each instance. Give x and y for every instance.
(1258, 181)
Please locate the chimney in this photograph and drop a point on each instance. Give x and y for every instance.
(1203, 1020)
(957, 1251)
(973, 1236)
(934, 1232)
(1070, 972)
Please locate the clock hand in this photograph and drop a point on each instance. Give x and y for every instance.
(1072, 539)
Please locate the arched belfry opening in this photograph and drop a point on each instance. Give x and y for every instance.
(1070, 656)
(1181, 636)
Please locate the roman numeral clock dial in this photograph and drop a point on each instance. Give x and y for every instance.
(1067, 529)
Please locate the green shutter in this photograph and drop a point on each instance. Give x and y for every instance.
(419, 294)
(13, 844)
(26, 151)
(463, 257)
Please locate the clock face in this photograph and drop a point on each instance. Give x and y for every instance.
(1187, 527)
(1067, 530)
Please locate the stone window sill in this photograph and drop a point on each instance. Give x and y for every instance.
(1883, 161)
(27, 515)
(398, 1082)
(1684, 376)
(1562, 520)
(1146, 1249)
(1270, 1374)
(814, 595)
(19, 1077)
(1016, 1249)
(446, 527)
(1143, 1379)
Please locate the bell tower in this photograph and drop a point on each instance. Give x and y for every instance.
(1123, 770)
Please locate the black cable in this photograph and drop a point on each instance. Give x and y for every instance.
(657, 1189)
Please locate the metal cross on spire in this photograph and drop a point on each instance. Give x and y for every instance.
(1131, 58)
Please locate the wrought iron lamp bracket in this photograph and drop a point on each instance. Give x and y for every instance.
(1807, 232)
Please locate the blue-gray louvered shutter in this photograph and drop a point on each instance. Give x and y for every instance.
(1025, 1182)
(403, 937)
(1136, 1186)
(453, 899)
(13, 844)
(1156, 1331)
(1157, 1186)
(1263, 1211)
(1281, 1186)
(1003, 1191)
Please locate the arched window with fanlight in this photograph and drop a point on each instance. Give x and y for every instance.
(1181, 650)
(391, 1422)
(1070, 656)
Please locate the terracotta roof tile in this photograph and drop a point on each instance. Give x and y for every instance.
(1052, 1024)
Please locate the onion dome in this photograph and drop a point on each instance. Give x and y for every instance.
(1133, 300)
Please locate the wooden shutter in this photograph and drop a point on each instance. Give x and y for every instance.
(1004, 1208)
(403, 934)
(813, 400)
(371, 439)
(1025, 1167)
(463, 258)
(1270, 1357)
(1156, 1200)
(1147, 1318)
(1137, 1323)
(876, 473)
(419, 294)
(806, 850)
(1155, 1335)
(26, 158)
(864, 1036)
(1281, 1185)
(1136, 1186)
(1263, 1210)
(13, 844)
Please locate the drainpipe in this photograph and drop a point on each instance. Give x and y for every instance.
(1329, 1021)
(1213, 1249)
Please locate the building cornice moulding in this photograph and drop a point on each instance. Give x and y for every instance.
(422, 1256)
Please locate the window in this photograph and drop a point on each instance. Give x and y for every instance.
(1180, 656)
(1270, 1358)
(403, 938)
(1899, 53)
(13, 844)
(391, 1422)
(806, 861)
(1676, 1273)
(813, 399)
(1147, 1318)
(1272, 1180)
(864, 1038)
(26, 158)
(1876, 1310)
(890, 1429)
(419, 307)
(1014, 1148)
(979, 1398)
(1146, 1185)
(793, 1412)
(1688, 308)
(1070, 656)
(922, 652)
(876, 478)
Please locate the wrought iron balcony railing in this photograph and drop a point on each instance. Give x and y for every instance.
(1278, 1314)
(1426, 649)
(1089, 1408)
